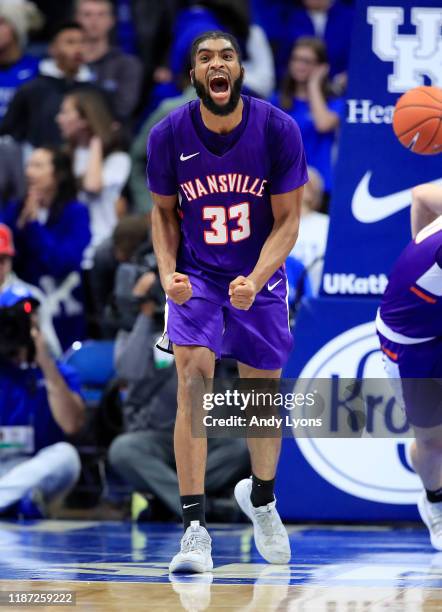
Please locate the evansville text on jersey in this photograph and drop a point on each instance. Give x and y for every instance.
(223, 183)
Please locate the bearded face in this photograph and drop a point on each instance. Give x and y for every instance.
(218, 76)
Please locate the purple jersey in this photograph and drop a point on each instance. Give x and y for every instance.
(412, 303)
(224, 200)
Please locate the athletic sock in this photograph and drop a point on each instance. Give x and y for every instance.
(194, 509)
(434, 497)
(262, 491)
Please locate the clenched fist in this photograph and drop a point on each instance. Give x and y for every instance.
(178, 288)
(242, 292)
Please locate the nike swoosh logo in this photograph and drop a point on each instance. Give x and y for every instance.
(271, 287)
(369, 209)
(190, 505)
(186, 157)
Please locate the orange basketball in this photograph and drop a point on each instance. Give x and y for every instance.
(417, 120)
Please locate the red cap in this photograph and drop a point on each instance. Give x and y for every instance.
(6, 241)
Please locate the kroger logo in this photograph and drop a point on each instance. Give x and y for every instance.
(376, 469)
(413, 55)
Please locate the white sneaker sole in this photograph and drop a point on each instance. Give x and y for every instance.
(189, 566)
(242, 496)
(426, 520)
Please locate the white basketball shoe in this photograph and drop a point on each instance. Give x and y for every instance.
(431, 514)
(195, 555)
(271, 537)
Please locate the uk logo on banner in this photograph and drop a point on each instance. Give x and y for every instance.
(414, 56)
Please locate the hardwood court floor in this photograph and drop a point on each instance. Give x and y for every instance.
(119, 566)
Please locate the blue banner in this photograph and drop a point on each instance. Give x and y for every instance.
(396, 46)
(358, 479)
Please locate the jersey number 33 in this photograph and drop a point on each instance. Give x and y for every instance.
(220, 232)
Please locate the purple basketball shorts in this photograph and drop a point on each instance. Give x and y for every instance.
(259, 337)
(415, 371)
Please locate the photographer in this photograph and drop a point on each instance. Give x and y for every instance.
(143, 456)
(8, 278)
(127, 252)
(40, 405)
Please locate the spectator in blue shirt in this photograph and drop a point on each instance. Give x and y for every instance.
(51, 232)
(330, 20)
(306, 96)
(228, 16)
(40, 405)
(15, 67)
(298, 280)
(9, 278)
(233, 17)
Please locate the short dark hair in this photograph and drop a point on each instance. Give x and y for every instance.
(61, 27)
(213, 35)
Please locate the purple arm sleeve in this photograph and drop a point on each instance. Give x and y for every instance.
(288, 166)
(160, 169)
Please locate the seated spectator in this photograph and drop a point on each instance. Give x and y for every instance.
(143, 456)
(16, 17)
(306, 96)
(313, 231)
(330, 20)
(40, 407)
(233, 17)
(31, 114)
(51, 232)
(130, 243)
(100, 164)
(140, 194)
(116, 72)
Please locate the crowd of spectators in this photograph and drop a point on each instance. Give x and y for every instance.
(82, 83)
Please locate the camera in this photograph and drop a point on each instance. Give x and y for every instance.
(15, 331)
(126, 305)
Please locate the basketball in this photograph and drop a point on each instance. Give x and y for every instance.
(417, 120)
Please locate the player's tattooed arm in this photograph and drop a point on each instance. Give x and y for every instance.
(166, 235)
(286, 209)
(426, 206)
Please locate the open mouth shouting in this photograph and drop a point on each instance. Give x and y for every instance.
(219, 86)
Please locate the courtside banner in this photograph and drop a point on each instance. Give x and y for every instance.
(396, 46)
(364, 478)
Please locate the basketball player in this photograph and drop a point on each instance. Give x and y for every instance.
(409, 324)
(231, 168)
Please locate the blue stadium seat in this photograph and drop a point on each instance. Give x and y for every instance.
(93, 361)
